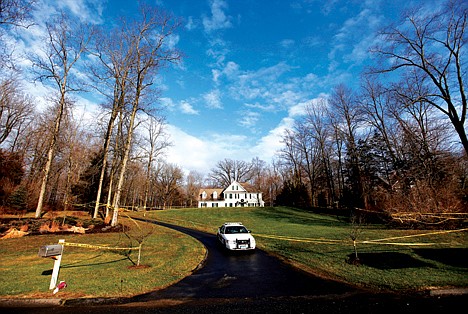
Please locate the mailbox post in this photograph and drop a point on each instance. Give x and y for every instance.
(54, 251)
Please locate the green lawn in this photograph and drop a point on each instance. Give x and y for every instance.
(167, 256)
(321, 244)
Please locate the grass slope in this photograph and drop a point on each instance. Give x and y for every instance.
(167, 256)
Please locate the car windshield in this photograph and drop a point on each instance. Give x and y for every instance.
(235, 229)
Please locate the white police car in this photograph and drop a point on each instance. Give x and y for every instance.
(235, 236)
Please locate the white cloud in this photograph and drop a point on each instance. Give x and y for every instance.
(201, 154)
(262, 107)
(171, 41)
(86, 111)
(213, 99)
(218, 51)
(218, 19)
(268, 146)
(190, 24)
(216, 74)
(167, 103)
(287, 97)
(352, 41)
(188, 152)
(298, 109)
(187, 108)
(86, 10)
(287, 43)
(249, 119)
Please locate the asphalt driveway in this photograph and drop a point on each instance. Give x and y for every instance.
(248, 274)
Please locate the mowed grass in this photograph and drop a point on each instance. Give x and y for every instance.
(321, 244)
(167, 257)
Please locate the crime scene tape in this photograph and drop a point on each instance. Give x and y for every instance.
(332, 241)
(374, 242)
(379, 241)
(101, 247)
(306, 240)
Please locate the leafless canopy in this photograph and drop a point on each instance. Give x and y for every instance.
(429, 47)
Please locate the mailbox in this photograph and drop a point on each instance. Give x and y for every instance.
(50, 250)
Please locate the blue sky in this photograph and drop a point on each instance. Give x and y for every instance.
(250, 67)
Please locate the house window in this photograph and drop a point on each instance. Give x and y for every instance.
(203, 195)
(215, 195)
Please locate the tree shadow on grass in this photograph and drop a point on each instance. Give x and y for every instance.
(456, 257)
(389, 260)
(49, 271)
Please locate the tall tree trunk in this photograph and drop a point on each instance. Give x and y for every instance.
(110, 127)
(50, 156)
(128, 143)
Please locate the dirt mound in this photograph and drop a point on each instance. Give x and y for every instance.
(14, 227)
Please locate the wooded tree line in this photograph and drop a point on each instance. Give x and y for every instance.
(397, 143)
(64, 163)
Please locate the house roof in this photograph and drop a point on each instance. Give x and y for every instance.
(210, 192)
(247, 186)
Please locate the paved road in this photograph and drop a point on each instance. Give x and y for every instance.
(256, 283)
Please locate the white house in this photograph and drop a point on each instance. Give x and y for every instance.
(235, 195)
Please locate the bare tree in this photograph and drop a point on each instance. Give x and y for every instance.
(274, 183)
(16, 12)
(167, 183)
(64, 45)
(228, 170)
(194, 182)
(309, 153)
(114, 54)
(429, 45)
(154, 143)
(347, 118)
(148, 37)
(378, 106)
(320, 129)
(15, 110)
(291, 156)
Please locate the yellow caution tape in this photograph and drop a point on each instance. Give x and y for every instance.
(402, 244)
(295, 239)
(91, 246)
(332, 241)
(418, 235)
(376, 241)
